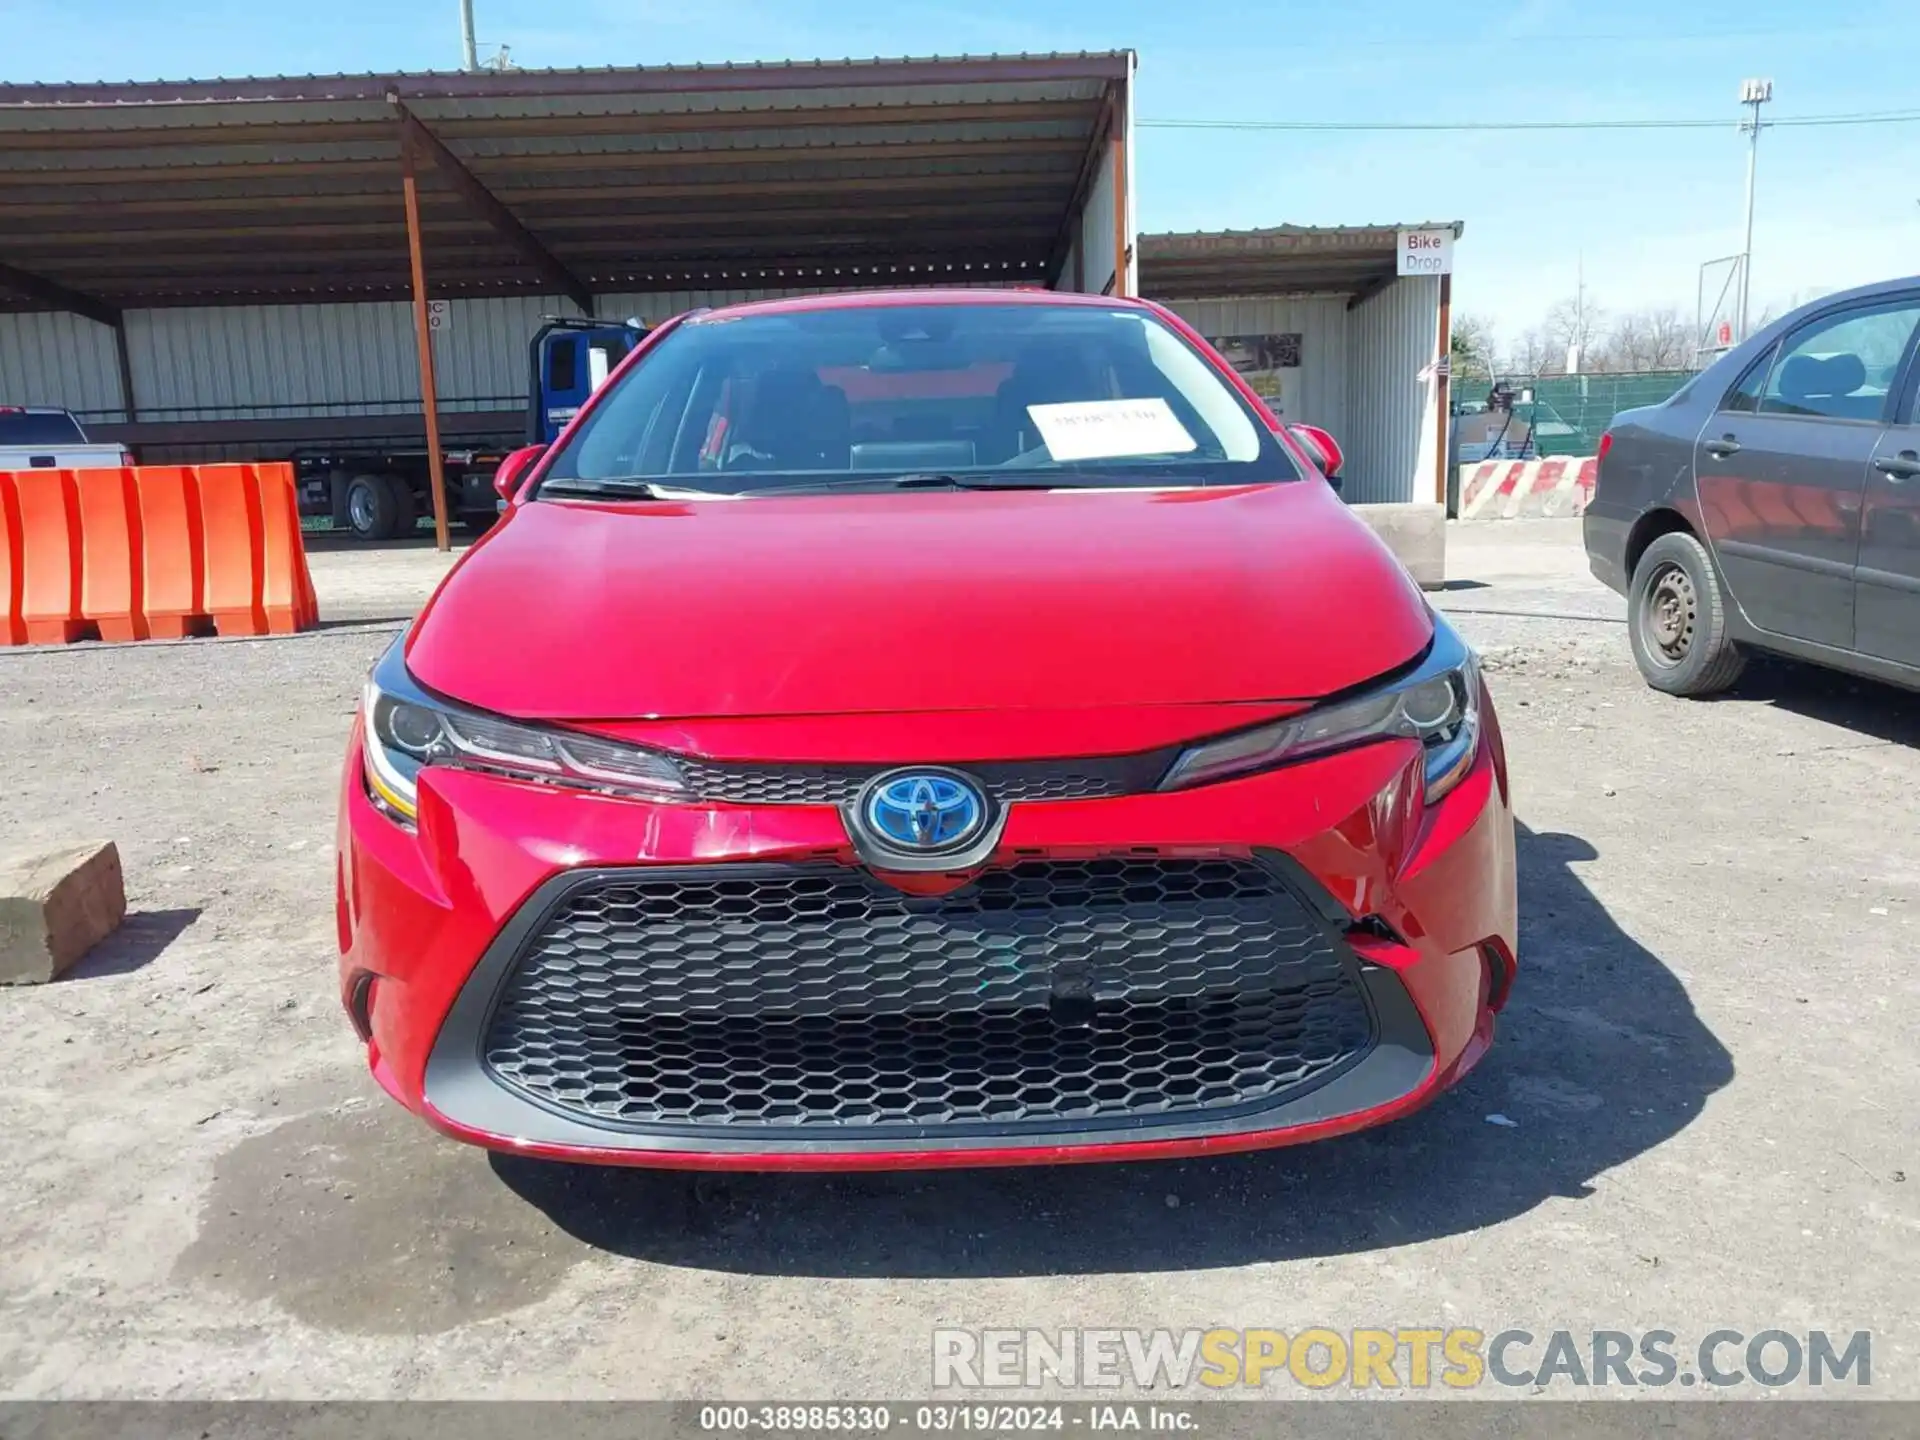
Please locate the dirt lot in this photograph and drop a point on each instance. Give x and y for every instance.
(1710, 1066)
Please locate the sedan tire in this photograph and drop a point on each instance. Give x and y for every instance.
(1677, 620)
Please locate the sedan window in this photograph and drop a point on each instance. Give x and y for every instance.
(1842, 366)
(851, 396)
(1744, 398)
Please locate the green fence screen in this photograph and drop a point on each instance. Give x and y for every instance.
(1571, 412)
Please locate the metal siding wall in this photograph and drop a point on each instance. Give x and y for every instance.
(1392, 336)
(59, 359)
(1096, 227)
(1133, 177)
(259, 361)
(247, 361)
(655, 306)
(480, 356)
(1317, 392)
(263, 361)
(1066, 269)
(658, 305)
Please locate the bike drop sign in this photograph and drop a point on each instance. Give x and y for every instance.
(1425, 252)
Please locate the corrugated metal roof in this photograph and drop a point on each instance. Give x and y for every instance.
(375, 85)
(288, 187)
(1281, 237)
(1278, 260)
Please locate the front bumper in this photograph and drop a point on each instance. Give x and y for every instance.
(1407, 909)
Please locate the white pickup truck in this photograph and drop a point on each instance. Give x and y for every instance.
(41, 437)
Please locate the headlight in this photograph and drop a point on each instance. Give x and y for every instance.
(1437, 703)
(408, 729)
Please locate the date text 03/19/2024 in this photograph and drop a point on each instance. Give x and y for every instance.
(934, 1419)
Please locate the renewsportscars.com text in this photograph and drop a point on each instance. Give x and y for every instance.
(1402, 1358)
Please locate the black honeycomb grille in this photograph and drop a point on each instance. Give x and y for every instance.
(798, 999)
(1009, 781)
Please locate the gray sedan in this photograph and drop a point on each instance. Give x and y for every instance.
(1774, 503)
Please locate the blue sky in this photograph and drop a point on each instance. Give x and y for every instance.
(1640, 210)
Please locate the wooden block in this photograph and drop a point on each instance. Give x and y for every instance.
(56, 907)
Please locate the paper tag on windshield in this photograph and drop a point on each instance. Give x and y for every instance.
(1110, 429)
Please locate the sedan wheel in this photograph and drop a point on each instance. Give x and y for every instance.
(1677, 620)
(1671, 609)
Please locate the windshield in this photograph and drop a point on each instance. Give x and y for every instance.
(991, 393)
(38, 427)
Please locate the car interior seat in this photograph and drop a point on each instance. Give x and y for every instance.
(797, 423)
(1828, 385)
(1042, 375)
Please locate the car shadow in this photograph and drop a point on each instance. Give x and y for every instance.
(1868, 707)
(142, 936)
(1600, 1058)
(364, 620)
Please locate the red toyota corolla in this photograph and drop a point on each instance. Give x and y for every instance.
(933, 728)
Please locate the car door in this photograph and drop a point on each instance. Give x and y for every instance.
(1887, 596)
(1782, 467)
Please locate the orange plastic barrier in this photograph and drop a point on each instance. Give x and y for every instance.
(174, 552)
(13, 628)
(158, 551)
(49, 555)
(236, 548)
(110, 553)
(286, 588)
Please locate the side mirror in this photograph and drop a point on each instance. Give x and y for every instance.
(513, 469)
(1324, 449)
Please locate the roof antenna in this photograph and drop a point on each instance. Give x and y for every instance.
(470, 56)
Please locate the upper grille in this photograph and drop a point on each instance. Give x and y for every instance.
(1008, 781)
(802, 998)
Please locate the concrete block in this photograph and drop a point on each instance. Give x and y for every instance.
(1417, 535)
(56, 907)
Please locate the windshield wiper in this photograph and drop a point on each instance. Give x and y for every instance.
(629, 487)
(632, 487)
(941, 480)
(933, 481)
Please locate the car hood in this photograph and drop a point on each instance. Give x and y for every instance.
(943, 601)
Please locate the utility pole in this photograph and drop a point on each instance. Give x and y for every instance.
(1753, 94)
(1577, 341)
(470, 57)
(1579, 310)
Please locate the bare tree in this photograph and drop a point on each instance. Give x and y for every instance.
(1472, 348)
(1793, 302)
(1532, 355)
(1655, 339)
(1576, 321)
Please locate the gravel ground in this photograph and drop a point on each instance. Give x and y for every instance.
(1709, 1067)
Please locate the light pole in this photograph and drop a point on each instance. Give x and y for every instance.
(470, 55)
(1754, 94)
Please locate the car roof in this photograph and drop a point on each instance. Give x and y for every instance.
(1859, 292)
(865, 299)
(1764, 336)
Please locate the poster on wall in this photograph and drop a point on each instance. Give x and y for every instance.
(1265, 361)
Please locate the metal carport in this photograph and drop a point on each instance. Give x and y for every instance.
(218, 264)
(1361, 339)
